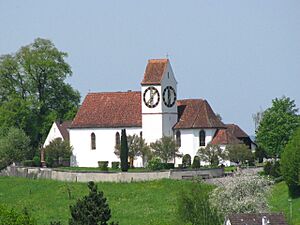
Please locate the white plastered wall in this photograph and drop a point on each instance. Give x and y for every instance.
(84, 156)
(190, 141)
(53, 134)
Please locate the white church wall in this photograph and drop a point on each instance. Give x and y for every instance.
(105, 145)
(53, 134)
(190, 141)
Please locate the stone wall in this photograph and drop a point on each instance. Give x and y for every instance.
(56, 174)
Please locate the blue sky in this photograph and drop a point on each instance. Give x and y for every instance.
(238, 55)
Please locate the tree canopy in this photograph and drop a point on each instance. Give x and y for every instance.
(212, 154)
(14, 147)
(33, 92)
(290, 164)
(277, 125)
(165, 148)
(239, 153)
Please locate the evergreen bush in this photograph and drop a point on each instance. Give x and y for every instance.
(28, 163)
(186, 161)
(103, 165)
(196, 162)
(10, 216)
(37, 161)
(115, 165)
(91, 209)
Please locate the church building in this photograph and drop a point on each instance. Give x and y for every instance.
(152, 113)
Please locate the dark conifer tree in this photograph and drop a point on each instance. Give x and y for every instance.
(124, 151)
(91, 209)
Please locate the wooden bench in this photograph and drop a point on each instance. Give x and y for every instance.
(204, 176)
(187, 177)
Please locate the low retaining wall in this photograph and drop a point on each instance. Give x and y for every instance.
(47, 173)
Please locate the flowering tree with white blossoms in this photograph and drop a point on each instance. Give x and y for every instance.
(242, 194)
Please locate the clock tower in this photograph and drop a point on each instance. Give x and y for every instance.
(159, 96)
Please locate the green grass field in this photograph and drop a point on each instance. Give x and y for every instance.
(279, 202)
(140, 203)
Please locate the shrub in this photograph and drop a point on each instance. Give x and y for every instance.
(103, 165)
(155, 164)
(186, 161)
(290, 164)
(56, 151)
(115, 165)
(37, 161)
(196, 162)
(91, 209)
(194, 206)
(267, 168)
(28, 163)
(242, 194)
(12, 217)
(272, 169)
(169, 166)
(14, 147)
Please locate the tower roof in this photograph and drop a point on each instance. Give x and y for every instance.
(154, 72)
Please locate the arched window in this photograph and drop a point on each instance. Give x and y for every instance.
(202, 138)
(93, 141)
(178, 138)
(118, 138)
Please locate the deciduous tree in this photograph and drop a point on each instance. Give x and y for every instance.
(239, 153)
(33, 92)
(57, 150)
(212, 154)
(277, 125)
(290, 164)
(165, 148)
(14, 147)
(241, 194)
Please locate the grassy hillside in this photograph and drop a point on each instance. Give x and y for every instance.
(279, 202)
(134, 203)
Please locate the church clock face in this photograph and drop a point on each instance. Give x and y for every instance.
(169, 96)
(151, 97)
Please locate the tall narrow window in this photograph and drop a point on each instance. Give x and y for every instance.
(118, 138)
(93, 141)
(202, 138)
(178, 138)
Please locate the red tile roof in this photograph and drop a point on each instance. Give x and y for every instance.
(154, 71)
(256, 218)
(110, 109)
(224, 137)
(123, 109)
(196, 113)
(236, 131)
(63, 128)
